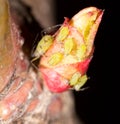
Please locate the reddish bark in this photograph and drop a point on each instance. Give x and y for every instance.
(23, 97)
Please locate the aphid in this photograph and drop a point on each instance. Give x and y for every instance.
(64, 66)
(43, 46)
(55, 58)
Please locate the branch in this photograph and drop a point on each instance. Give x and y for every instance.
(23, 97)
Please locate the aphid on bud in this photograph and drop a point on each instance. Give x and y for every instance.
(43, 45)
(64, 66)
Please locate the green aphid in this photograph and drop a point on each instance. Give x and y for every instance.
(43, 45)
(69, 45)
(80, 52)
(64, 31)
(87, 30)
(75, 79)
(82, 80)
(55, 58)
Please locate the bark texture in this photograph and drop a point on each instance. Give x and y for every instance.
(23, 97)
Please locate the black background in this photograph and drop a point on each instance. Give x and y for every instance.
(96, 105)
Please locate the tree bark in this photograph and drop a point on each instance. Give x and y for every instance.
(24, 99)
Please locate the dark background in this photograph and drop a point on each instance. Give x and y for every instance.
(96, 105)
